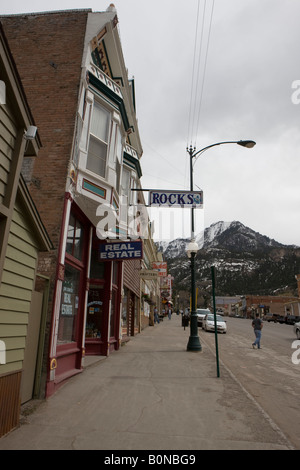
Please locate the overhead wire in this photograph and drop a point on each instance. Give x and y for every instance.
(204, 70)
(193, 75)
(195, 101)
(198, 71)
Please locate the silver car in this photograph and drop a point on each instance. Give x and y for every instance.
(208, 323)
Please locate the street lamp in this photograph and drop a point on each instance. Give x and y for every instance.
(192, 248)
(194, 342)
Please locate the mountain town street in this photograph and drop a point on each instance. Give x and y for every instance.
(154, 395)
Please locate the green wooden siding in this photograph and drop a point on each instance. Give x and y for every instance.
(16, 289)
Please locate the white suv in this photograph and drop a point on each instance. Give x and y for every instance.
(201, 312)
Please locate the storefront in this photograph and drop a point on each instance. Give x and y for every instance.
(130, 313)
(87, 300)
(102, 329)
(66, 346)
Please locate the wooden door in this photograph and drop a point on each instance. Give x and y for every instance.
(31, 347)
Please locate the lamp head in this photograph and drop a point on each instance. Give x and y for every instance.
(246, 143)
(192, 248)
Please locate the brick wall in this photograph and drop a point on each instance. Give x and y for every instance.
(47, 49)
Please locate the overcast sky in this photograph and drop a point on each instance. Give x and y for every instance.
(247, 71)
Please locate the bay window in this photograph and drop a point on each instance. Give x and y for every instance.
(98, 143)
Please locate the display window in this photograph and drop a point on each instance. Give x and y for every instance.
(103, 304)
(114, 298)
(75, 238)
(69, 306)
(124, 312)
(72, 295)
(94, 317)
(97, 305)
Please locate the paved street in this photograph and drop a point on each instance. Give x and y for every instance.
(269, 374)
(153, 395)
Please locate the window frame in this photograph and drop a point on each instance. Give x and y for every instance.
(99, 140)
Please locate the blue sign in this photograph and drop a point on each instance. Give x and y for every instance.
(188, 199)
(121, 251)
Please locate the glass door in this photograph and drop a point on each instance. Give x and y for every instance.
(94, 317)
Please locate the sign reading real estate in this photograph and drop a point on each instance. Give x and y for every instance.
(183, 199)
(121, 251)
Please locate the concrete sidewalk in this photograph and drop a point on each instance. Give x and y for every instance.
(150, 395)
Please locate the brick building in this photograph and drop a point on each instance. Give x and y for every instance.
(264, 304)
(72, 68)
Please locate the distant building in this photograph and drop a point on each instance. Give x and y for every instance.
(263, 304)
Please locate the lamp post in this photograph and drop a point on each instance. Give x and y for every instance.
(194, 341)
(192, 248)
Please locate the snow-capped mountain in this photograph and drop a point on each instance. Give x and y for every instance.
(233, 236)
(246, 261)
(209, 234)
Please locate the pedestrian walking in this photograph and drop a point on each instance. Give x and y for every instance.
(257, 326)
(185, 318)
(169, 313)
(156, 319)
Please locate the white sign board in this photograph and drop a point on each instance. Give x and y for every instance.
(183, 199)
(149, 274)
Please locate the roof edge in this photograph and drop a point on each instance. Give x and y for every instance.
(81, 10)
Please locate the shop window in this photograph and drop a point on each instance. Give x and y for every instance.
(94, 319)
(98, 144)
(115, 274)
(75, 238)
(113, 313)
(97, 267)
(69, 306)
(115, 268)
(124, 310)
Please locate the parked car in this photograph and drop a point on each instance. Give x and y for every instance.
(208, 323)
(297, 329)
(201, 312)
(271, 317)
(281, 319)
(292, 319)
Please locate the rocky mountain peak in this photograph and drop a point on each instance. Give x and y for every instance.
(246, 261)
(232, 236)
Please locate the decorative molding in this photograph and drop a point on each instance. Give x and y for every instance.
(93, 188)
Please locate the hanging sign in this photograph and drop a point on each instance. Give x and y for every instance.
(161, 267)
(183, 199)
(149, 274)
(121, 251)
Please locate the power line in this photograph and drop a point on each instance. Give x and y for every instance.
(193, 123)
(193, 73)
(205, 63)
